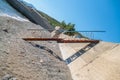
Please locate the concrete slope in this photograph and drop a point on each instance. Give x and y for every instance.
(104, 67)
(79, 67)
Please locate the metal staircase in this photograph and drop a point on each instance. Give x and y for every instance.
(80, 52)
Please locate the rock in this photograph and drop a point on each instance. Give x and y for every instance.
(8, 77)
(26, 61)
(58, 30)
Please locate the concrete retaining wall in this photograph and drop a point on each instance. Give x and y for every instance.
(30, 13)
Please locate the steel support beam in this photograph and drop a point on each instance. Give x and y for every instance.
(60, 40)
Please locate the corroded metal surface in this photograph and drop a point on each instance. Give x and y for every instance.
(60, 40)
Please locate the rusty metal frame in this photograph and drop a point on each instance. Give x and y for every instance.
(60, 40)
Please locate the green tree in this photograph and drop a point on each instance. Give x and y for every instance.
(63, 24)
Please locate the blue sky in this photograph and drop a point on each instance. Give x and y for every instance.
(86, 14)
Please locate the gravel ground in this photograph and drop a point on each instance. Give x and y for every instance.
(19, 60)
